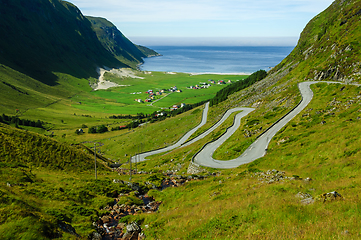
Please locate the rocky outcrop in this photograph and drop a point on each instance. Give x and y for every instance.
(329, 197)
(194, 168)
(109, 226)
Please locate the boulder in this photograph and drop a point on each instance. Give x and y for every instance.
(133, 231)
(329, 197)
(95, 236)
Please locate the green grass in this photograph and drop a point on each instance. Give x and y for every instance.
(321, 143)
(121, 99)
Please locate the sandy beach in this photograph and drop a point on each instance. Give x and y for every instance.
(120, 72)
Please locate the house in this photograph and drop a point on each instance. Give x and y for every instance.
(174, 107)
(139, 100)
(159, 114)
(148, 100)
(229, 81)
(179, 90)
(183, 105)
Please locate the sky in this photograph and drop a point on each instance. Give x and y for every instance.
(207, 22)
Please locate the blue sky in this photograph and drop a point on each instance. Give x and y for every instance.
(207, 22)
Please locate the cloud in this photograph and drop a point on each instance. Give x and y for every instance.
(215, 41)
(190, 10)
(206, 18)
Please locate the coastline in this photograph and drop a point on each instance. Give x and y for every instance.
(120, 72)
(219, 73)
(218, 60)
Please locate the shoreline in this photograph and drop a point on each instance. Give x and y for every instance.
(120, 72)
(217, 73)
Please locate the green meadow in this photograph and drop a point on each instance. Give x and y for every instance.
(121, 100)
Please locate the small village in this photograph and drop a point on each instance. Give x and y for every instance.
(152, 95)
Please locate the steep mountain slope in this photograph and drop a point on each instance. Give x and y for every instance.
(329, 46)
(42, 37)
(116, 43)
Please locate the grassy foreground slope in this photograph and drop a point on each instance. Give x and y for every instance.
(318, 151)
(36, 198)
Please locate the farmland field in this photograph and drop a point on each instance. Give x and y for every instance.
(121, 100)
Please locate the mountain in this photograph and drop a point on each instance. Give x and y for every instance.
(329, 46)
(116, 43)
(40, 37)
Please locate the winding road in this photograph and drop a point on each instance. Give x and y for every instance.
(256, 150)
(141, 157)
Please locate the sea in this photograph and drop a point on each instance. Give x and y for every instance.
(215, 59)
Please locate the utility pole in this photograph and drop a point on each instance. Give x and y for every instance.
(95, 160)
(136, 160)
(130, 169)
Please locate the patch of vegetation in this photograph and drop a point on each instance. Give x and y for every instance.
(225, 92)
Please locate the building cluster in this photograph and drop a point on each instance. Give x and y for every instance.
(207, 85)
(153, 94)
(175, 107)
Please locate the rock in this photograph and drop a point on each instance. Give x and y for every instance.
(307, 180)
(118, 181)
(106, 219)
(308, 201)
(95, 236)
(133, 231)
(133, 227)
(194, 168)
(141, 236)
(329, 197)
(68, 228)
(134, 186)
(306, 198)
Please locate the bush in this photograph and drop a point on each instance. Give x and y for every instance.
(92, 130)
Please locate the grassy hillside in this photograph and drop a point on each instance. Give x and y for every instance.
(280, 196)
(329, 46)
(316, 153)
(36, 198)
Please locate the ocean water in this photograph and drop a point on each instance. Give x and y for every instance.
(223, 59)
